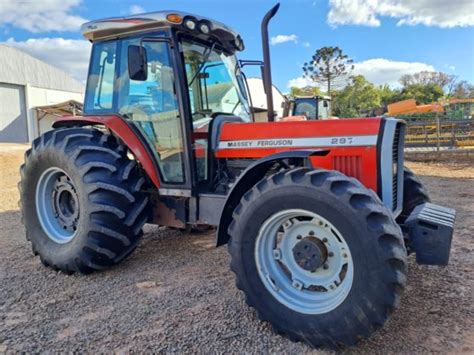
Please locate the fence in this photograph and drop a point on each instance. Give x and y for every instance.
(439, 134)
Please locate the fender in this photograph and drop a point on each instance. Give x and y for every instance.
(129, 134)
(249, 177)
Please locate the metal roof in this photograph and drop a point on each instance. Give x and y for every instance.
(20, 68)
(116, 26)
(66, 108)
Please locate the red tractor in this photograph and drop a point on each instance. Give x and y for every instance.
(318, 216)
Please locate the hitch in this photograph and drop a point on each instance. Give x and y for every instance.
(430, 231)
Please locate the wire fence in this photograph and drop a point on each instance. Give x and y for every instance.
(439, 134)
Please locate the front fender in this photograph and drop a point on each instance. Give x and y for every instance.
(249, 177)
(127, 132)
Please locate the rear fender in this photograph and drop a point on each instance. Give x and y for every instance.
(253, 174)
(128, 133)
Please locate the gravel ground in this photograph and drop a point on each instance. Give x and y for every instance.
(176, 294)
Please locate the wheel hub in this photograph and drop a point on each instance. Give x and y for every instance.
(304, 261)
(57, 205)
(310, 253)
(65, 203)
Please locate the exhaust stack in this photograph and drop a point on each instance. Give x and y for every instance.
(267, 71)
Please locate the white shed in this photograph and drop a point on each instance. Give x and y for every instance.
(259, 99)
(27, 82)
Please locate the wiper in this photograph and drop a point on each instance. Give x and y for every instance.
(206, 57)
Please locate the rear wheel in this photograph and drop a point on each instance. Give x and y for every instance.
(81, 198)
(414, 194)
(318, 256)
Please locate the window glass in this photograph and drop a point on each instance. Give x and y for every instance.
(306, 107)
(153, 106)
(213, 83)
(100, 84)
(215, 87)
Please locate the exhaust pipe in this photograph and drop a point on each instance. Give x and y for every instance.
(267, 71)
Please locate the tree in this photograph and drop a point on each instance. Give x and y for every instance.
(328, 66)
(358, 97)
(387, 95)
(444, 81)
(422, 93)
(463, 90)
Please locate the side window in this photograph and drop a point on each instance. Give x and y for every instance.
(153, 106)
(100, 85)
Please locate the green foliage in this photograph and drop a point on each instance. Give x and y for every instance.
(357, 97)
(327, 66)
(423, 94)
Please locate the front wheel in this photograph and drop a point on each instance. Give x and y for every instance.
(318, 256)
(414, 194)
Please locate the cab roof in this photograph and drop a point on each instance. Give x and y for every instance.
(114, 27)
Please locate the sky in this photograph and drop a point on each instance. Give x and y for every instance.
(385, 38)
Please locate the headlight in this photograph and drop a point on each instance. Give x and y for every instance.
(190, 24)
(204, 28)
(239, 43)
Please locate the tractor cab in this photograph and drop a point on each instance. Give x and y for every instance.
(170, 75)
(311, 107)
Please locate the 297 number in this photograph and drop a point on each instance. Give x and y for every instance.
(341, 140)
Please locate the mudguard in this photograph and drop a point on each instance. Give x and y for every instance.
(249, 177)
(128, 133)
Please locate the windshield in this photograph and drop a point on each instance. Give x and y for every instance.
(305, 107)
(215, 84)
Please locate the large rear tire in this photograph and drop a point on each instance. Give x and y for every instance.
(81, 199)
(318, 256)
(414, 194)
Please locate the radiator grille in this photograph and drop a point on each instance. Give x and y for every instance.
(395, 166)
(348, 165)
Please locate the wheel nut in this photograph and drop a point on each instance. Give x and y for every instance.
(299, 237)
(325, 240)
(296, 284)
(325, 267)
(344, 255)
(311, 232)
(330, 253)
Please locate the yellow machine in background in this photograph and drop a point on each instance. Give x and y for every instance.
(407, 107)
(443, 124)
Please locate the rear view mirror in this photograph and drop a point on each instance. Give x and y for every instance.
(137, 63)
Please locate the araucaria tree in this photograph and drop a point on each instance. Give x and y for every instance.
(328, 66)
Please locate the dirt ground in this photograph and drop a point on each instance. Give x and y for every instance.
(176, 294)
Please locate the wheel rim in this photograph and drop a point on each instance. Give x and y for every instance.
(57, 205)
(319, 278)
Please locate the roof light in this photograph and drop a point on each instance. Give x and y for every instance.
(239, 43)
(204, 28)
(190, 24)
(173, 18)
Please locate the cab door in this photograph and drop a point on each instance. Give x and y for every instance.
(152, 104)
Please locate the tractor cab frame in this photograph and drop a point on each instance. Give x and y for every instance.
(169, 89)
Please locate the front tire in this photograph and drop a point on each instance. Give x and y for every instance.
(332, 221)
(81, 199)
(414, 194)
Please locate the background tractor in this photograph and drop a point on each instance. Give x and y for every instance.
(318, 215)
(311, 107)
